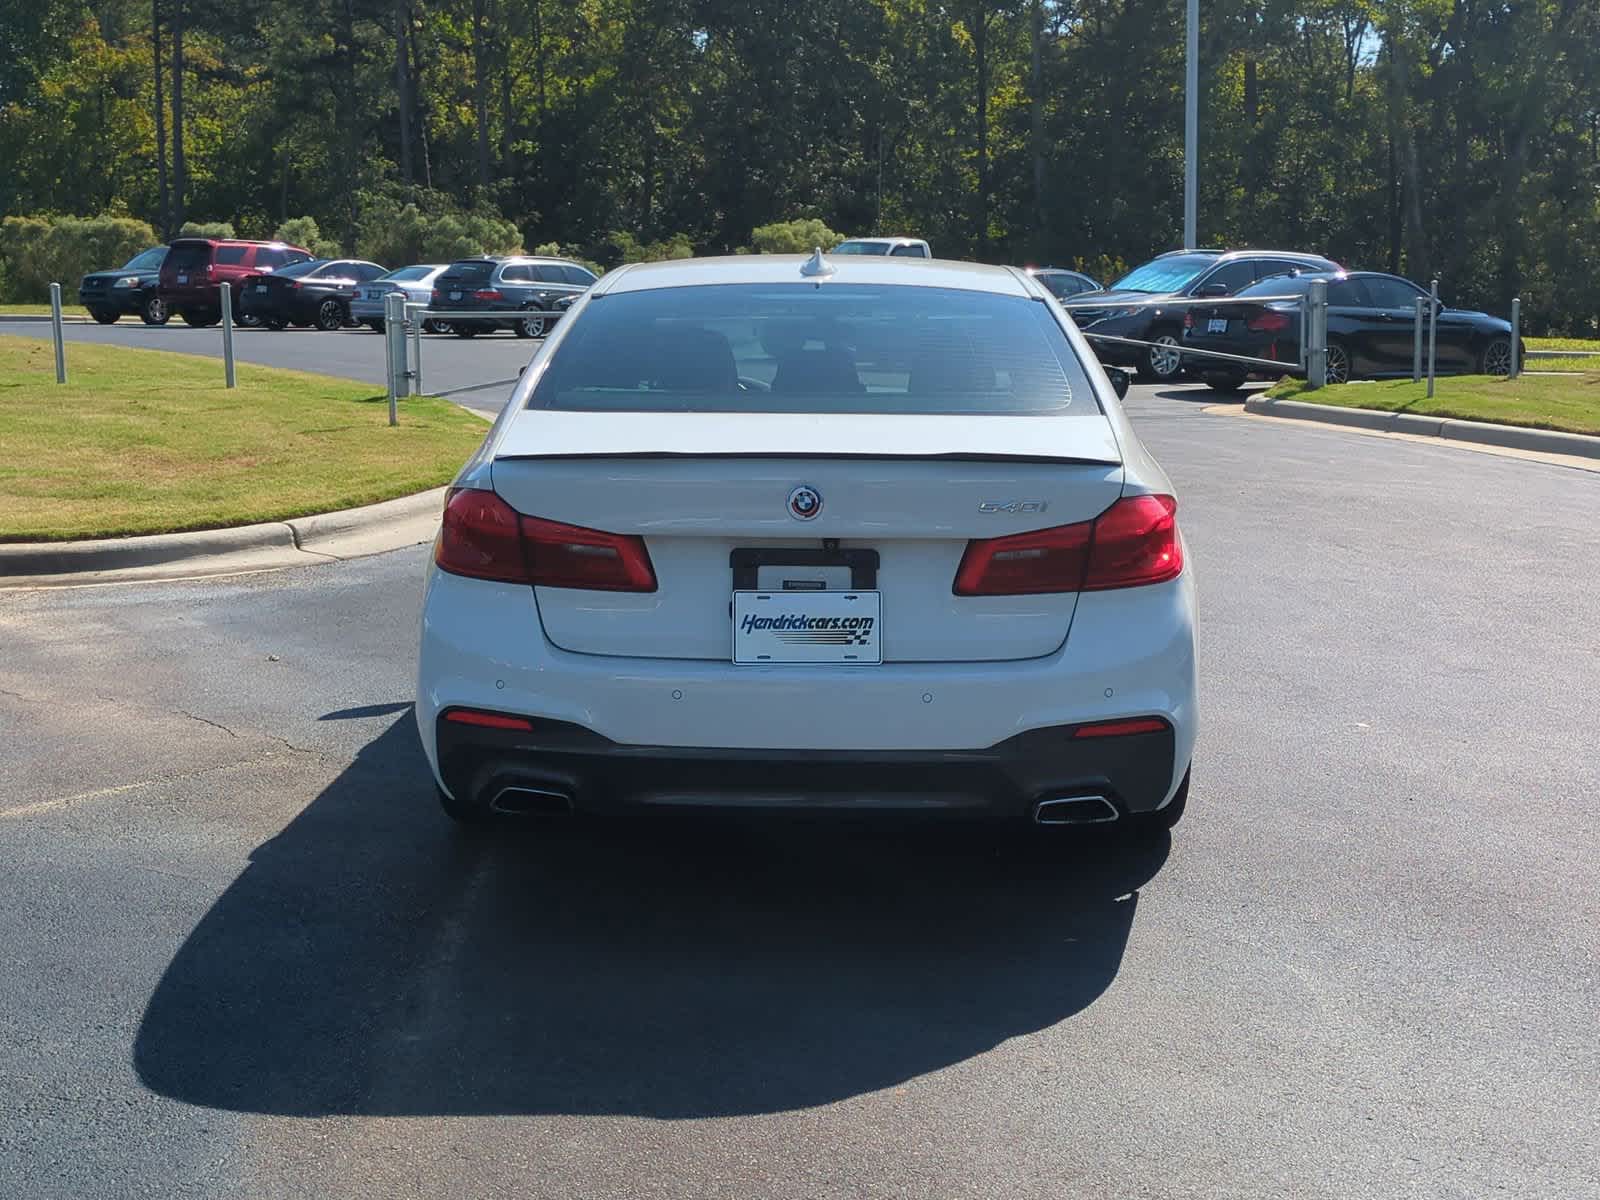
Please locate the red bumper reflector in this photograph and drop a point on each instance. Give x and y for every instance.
(1102, 729)
(488, 720)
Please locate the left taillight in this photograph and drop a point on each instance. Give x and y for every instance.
(1133, 543)
(483, 537)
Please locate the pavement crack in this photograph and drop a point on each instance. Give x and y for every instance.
(208, 721)
(288, 745)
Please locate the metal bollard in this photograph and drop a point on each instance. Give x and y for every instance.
(1317, 330)
(1416, 343)
(415, 319)
(227, 333)
(394, 339)
(57, 334)
(1516, 337)
(1433, 333)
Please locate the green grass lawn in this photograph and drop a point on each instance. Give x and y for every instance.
(1566, 402)
(143, 441)
(38, 310)
(1576, 363)
(1555, 343)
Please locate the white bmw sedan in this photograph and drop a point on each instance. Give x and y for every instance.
(788, 532)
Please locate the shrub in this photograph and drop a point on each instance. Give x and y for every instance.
(208, 229)
(36, 251)
(429, 228)
(623, 247)
(793, 237)
(571, 253)
(303, 232)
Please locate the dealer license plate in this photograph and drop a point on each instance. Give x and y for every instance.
(807, 627)
(1217, 325)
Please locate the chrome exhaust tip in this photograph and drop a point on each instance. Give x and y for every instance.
(521, 800)
(1075, 810)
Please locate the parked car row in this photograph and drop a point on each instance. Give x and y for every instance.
(1371, 318)
(278, 285)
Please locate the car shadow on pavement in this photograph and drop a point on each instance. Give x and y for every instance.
(372, 960)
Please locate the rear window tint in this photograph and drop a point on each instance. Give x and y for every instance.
(802, 348)
(231, 256)
(469, 272)
(304, 267)
(189, 256)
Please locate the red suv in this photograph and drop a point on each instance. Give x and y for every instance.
(194, 267)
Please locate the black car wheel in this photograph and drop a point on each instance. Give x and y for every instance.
(277, 324)
(247, 320)
(1338, 363)
(1226, 383)
(375, 326)
(154, 311)
(200, 320)
(436, 327)
(1162, 361)
(108, 316)
(330, 315)
(464, 331)
(531, 327)
(1496, 358)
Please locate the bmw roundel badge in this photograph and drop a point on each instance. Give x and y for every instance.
(805, 502)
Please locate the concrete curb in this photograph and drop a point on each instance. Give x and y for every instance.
(1482, 433)
(29, 319)
(327, 537)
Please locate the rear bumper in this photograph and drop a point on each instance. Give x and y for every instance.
(207, 298)
(272, 306)
(1003, 782)
(1278, 350)
(1130, 653)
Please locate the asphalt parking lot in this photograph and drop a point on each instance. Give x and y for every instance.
(242, 955)
(485, 364)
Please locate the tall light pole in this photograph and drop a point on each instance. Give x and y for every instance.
(1191, 126)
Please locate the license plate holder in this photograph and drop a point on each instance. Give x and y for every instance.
(807, 628)
(455, 295)
(183, 279)
(1217, 325)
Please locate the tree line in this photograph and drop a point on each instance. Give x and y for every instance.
(1449, 138)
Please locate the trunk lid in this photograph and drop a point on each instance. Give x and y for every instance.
(913, 489)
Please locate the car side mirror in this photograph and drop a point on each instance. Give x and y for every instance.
(1211, 290)
(1119, 381)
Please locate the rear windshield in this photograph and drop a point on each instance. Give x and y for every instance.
(473, 272)
(1281, 285)
(409, 273)
(798, 347)
(189, 256)
(861, 248)
(1165, 274)
(304, 267)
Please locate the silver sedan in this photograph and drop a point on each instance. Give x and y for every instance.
(416, 282)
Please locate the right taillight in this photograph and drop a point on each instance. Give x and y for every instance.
(483, 537)
(1133, 543)
(1268, 322)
